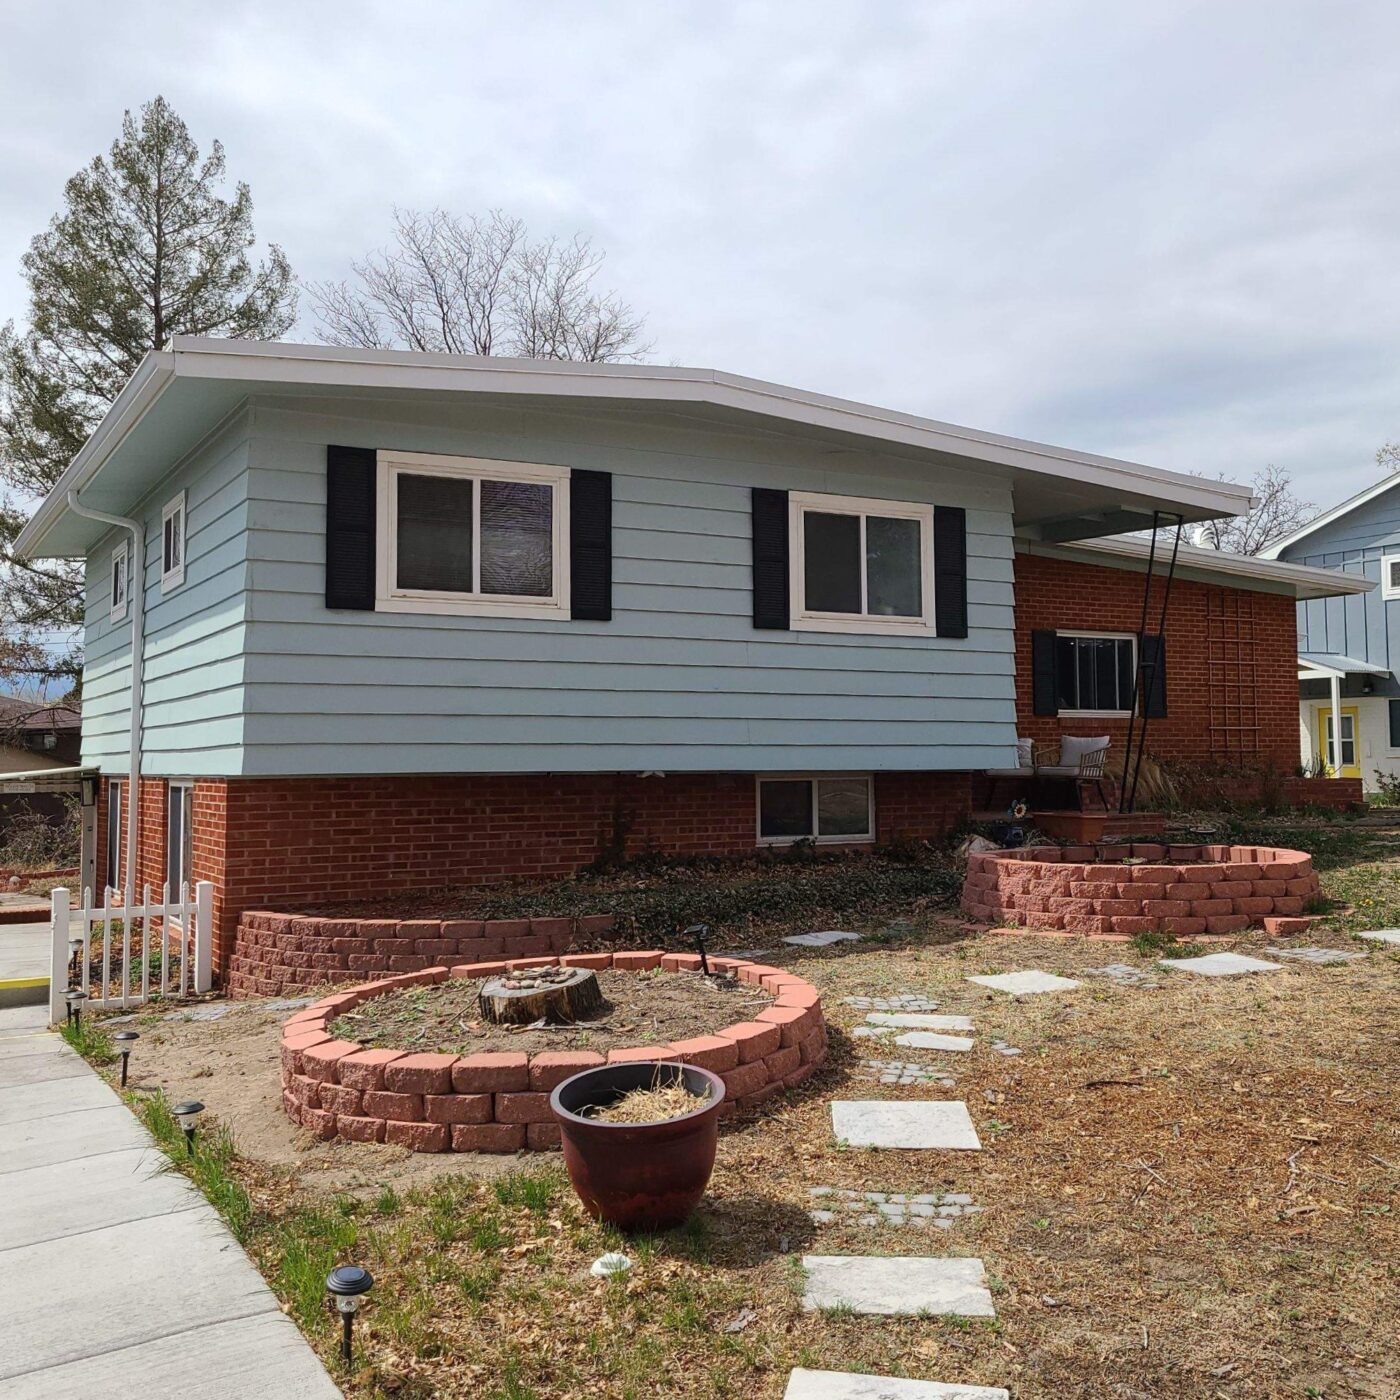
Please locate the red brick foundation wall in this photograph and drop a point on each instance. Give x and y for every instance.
(1232, 672)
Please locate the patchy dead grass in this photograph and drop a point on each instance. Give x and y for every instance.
(1190, 1191)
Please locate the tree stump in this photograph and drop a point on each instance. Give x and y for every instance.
(559, 995)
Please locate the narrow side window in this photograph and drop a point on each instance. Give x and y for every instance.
(172, 544)
(120, 557)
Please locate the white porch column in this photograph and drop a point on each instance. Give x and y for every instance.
(1336, 726)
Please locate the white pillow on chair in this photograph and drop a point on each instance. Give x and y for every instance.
(1025, 753)
(1073, 748)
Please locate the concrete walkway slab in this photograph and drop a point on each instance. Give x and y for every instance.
(920, 1021)
(1383, 935)
(891, 1286)
(929, 1040)
(938, 1125)
(1028, 983)
(843, 1385)
(1322, 957)
(1221, 965)
(821, 940)
(117, 1277)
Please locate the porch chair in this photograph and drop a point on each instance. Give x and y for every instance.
(1084, 760)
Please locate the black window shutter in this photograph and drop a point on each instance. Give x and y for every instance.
(771, 604)
(590, 546)
(350, 527)
(1395, 724)
(1154, 676)
(1044, 682)
(950, 571)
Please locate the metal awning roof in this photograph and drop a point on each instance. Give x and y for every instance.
(44, 780)
(1317, 665)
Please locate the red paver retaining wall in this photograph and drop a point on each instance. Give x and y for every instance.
(275, 953)
(1181, 890)
(499, 1101)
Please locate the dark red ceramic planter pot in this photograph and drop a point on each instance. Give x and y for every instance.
(638, 1176)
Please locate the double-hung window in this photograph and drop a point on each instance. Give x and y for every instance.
(825, 808)
(1390, 576)
(860, 565)
(179, 836)
(1094, 673)
(172, 544)
(120, 579)
(466, 535)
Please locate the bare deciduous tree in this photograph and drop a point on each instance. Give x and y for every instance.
(1278, 513)
(478, 286)
(1388, 456)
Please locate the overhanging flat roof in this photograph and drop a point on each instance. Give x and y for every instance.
(1302, 581)
(1320, 665)
(177, 396)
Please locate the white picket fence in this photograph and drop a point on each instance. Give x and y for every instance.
(160, 931)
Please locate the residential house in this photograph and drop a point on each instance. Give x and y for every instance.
(406, 620)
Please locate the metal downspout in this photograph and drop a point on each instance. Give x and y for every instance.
(136, 601)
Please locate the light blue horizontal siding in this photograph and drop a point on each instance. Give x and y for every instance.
(679, 679)
(195, 633)
(1362, 625)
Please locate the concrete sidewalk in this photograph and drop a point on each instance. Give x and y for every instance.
(117, 1278)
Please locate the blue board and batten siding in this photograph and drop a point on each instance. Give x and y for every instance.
(1365, 625)
(678, 680)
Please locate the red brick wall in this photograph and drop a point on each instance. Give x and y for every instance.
(1232, 675)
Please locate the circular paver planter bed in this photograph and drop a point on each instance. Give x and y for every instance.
(492, 1094)
(1182, 890)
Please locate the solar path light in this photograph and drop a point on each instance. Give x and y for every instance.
(125, 1041)
(187, 1115)
(348, 1286)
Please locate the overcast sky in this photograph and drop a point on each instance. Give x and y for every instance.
(1166, 231)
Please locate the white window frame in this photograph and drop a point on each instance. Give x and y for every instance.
(1390, 585)
(1100, 637)
(390, 598)
(173, 577)
(120, 569)
(176, 789)
(806, 620)
(812, 779)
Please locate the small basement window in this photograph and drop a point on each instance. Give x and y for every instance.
(1094, 673)
(827, 809)
(172, 544)
(1390, 576)
(861, 565)
(120, 575)
(464, 535)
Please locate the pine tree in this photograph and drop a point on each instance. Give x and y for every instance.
(146, 247)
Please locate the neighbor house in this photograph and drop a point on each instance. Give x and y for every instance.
(405, 620)
(1349, 646)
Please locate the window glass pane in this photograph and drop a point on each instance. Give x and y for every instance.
(1105, 674)
(173, 550)
(831, 562)
(1125, 674)
(517, 540)
(175, 840)
(785, 808)
(843, 807)
(893, 584)
(435, 533)
(118, 580)
(1067, 673)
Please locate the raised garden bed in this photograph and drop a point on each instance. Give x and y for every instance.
(1128, 891)
(492, 1095)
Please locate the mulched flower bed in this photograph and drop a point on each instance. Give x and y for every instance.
(639, 1008)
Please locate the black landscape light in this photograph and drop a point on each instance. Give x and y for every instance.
(75, 999)
(75, 946)
(348, 1285)
(187, 1115)
(125, 1041)
(700, 932)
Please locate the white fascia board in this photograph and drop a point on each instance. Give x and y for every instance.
(1378, 488)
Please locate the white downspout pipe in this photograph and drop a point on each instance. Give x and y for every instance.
(136, 603)
(1336, 726)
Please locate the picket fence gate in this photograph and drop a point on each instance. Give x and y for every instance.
(161, 930)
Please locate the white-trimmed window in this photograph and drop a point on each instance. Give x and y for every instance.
(859, 564)
(179, 836)
(172, 544)
(1390, 576)
(828, 808)
(121, 574)
(1094, 673)
(471, 536)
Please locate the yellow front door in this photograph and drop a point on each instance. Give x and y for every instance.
(1351, 740)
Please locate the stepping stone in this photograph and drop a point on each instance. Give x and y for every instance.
(915, 1021)
(901, 1072)
(1321, 956)
(1002, 1048)
(936, 1209)
(936, 1125)
(1221, 965)
(889, 1286)
(930, 1040)
(1024, 984)
(898, 1001)
(842, 1385)
(1383, 935)
(1124, 974)
(872, 1032)
(821, 940)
